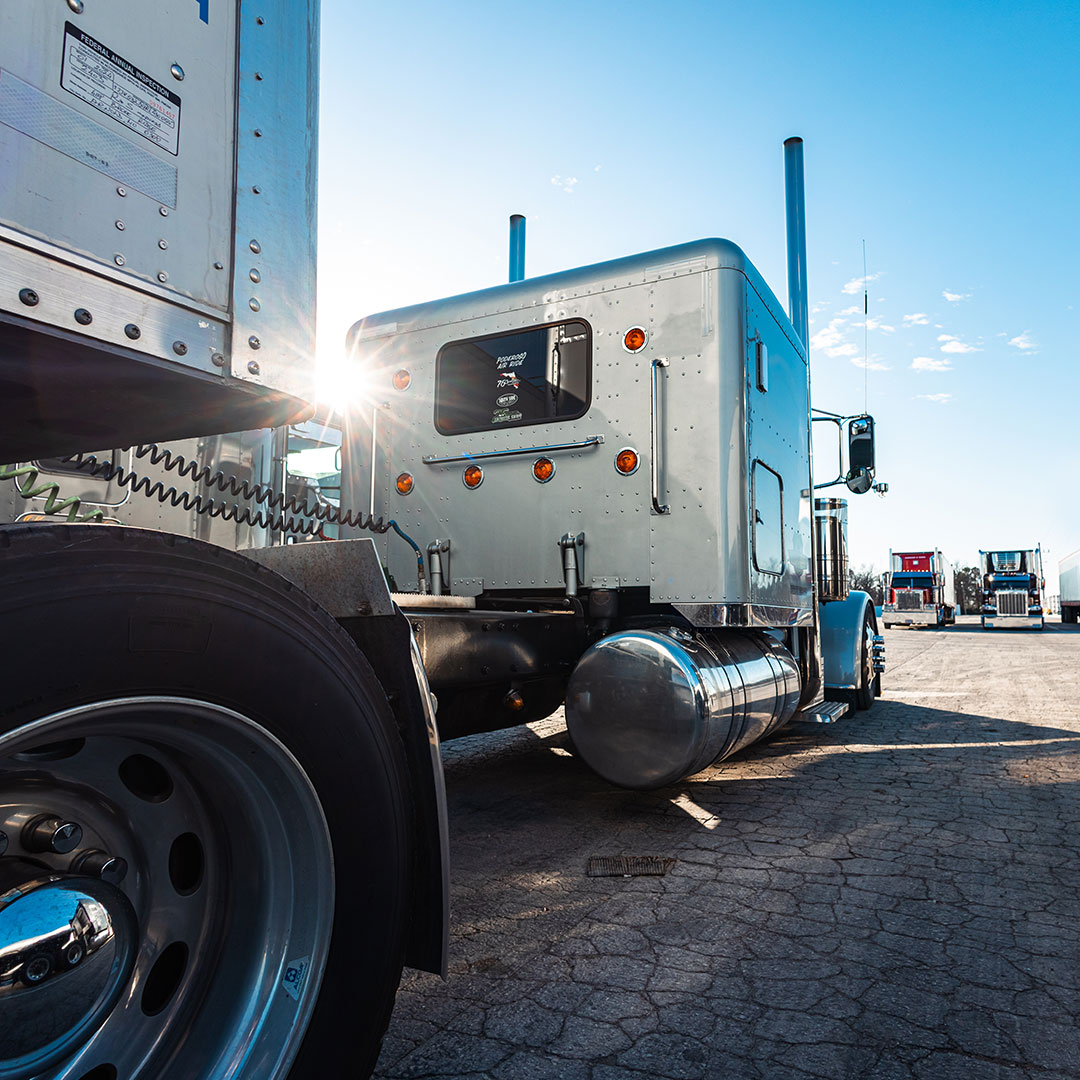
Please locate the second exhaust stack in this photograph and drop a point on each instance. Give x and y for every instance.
(796, 238)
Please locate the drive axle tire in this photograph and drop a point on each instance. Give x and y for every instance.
(203, 721)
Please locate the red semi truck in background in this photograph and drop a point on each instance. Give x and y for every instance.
(919, 589)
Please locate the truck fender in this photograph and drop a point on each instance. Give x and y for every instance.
(345, 577)
(841, 623)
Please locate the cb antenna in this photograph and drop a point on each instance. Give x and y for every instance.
(866, 333)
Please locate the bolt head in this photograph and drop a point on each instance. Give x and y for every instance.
(120, 225)
(83, 317)
(217, 360)
(163, 244)
(132, 331)
(119, 260)
(255, 275)
(255, 246)
(179, 348)
(29, 297)
(254, 342)
(177, 72)
(76, 6)
(121, 191)
(163, 277)
(253, 367)
(254, 304)
(163, 211)
(52, 834)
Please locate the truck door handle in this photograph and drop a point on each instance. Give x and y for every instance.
(654, 462)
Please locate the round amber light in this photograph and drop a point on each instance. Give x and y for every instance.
(634, 339)
(543, 469)
(404, 483)
(473, 476)
(626, 461)
(402, 379)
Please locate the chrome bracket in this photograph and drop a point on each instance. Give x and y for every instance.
(569, 543)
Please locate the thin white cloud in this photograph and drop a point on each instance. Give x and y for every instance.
(873, 364)
(567, 183)
(855, 309)
(937, 399)
(1023, 342)
(597, 168)
(830, 340)
(955, 297)
(873, 323)
(856, 285)
(955, 346)
(928, 363)
(918, 319)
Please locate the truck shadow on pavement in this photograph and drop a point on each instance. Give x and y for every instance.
(893, 896)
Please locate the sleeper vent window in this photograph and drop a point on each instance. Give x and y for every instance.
(534, 376)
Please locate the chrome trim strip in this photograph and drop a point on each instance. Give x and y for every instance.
(744, 615)
(431, 459)
(654, 465)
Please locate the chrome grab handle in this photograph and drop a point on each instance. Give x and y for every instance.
(592, 440)
(654, 464)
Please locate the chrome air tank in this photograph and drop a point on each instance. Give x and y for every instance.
(646, 708)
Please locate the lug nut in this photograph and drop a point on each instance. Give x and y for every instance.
(99, 864)
(45, 834)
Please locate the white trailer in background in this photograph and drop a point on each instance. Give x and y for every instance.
(1069, 587)
(919, 589)
(1012, 589)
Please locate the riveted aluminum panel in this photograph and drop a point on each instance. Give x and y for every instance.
(504, 534)
(135, 137)
(777, 438)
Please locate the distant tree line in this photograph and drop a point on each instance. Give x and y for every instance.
(968, 586)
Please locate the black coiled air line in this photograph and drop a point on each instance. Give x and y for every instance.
(281, 511)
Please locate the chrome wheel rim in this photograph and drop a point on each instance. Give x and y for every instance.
(205, 862)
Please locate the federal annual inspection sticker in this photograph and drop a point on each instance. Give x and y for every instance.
(295, 978)
(95, 74)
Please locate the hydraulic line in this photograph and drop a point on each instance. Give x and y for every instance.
(50, 491)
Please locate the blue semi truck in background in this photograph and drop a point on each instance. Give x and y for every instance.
(1013, 589)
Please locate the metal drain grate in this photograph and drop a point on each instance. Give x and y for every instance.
(628, 866)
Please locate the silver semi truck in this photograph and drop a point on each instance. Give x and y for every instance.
(244, 784)
(232, 755)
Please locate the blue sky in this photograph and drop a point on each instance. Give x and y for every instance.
(945, 135)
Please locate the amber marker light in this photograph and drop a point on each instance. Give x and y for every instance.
(543, 469)
(404, 483)
(627, 461)
(473, 476)
(402, 379)
(634, 339)
(514, 701)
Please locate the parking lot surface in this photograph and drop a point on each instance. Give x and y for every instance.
(893, 896)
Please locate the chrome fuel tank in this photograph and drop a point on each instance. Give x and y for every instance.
(647, 708)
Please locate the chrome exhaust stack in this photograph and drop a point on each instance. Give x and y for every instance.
(796, 238)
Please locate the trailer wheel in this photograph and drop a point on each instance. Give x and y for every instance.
(200, 766)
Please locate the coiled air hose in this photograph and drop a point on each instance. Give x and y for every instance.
(50, 490)
(282, 512)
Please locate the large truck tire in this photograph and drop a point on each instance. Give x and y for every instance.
(869, 683)
(194, 716)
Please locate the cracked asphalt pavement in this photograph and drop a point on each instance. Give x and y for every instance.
(892, 897)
